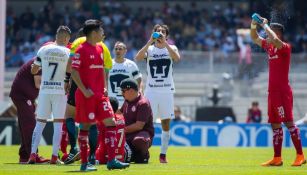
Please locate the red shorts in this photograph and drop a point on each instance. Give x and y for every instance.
(95, 108)
(280, 105)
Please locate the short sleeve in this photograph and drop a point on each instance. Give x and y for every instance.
(264, 44)
(107, 57)
(135, 71)
(39, 56)
(76, 59)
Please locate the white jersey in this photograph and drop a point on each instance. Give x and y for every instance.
(119, 72)
(53, 60)
(159, 70)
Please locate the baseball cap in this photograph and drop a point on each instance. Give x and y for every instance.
(129, 83)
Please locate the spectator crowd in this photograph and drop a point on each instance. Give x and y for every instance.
(193, 28)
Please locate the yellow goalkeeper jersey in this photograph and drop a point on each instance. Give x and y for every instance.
(106, 52)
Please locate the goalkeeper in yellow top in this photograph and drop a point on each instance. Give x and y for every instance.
(74, 153)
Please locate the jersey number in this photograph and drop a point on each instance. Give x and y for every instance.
(121, 132)
(55, 66)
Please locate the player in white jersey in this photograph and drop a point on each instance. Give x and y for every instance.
(160, 87)
(122, 68)
(53, 59)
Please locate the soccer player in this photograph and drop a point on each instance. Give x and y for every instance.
(139, 121)
(160, 88)
(70, 109)
(23, 93)
(88, 73)
(53, 59)
(122, 68)
(280, 98)
(123, 152)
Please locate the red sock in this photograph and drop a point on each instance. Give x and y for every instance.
(277, 141)
(83, 142)
(64, 140)
(110, 141)
(296, 139)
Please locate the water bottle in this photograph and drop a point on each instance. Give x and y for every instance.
(156, 35)
(256, 17)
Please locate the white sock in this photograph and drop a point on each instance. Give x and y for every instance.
(164, 141)
(56, 140)
(37, 135)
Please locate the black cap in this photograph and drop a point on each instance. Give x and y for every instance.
(129, 83)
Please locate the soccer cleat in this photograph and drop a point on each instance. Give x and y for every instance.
(72, 157)
(32, 158)
(56, 161)
(276, 161)
(92, 159)
(299, 160)
(87, 167)
(64, 157)
(163, 158)
(116, 164)
(41, 160)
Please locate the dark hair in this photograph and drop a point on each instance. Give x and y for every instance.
(278, 26)
(165, 27)
(91, 25)
(63, 29)
(80, 33)
(114, 103)
(255, 103)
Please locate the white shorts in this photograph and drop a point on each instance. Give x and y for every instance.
(162, 105)
(48, 104)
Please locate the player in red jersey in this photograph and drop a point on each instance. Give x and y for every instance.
(123, 152)
(280, 98)
(88, 73)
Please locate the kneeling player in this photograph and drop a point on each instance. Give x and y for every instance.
(122, 150)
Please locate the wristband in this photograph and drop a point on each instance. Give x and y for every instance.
(67, 77)
(253, 26)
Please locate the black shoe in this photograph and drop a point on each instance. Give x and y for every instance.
(72, 157)
(87, 167)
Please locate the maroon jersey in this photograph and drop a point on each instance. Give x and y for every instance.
(279, 65)
(101, 152)
(138, 110)
(88, 61)
(23, 86)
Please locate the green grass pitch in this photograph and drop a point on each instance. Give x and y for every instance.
(182, 161)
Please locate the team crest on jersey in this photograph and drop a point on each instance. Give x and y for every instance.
(91, 116)
(77, 55)
(29, 102)
(133, 108)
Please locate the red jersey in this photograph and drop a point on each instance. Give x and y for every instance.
(101, 153)
(279, 65)
(88, 61)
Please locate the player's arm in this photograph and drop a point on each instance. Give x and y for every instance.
(37, 81)
(67, 76)
(137, 126)
(76, 64)
(271, 34)
(142, 54)
(36, 66)
(173, 51)
(254, 34)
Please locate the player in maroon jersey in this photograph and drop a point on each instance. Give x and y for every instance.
(23, 93)
(139, 121)
(280, 98)
(123, 152)
(88, 73)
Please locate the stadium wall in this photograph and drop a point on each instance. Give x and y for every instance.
(185, 134)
